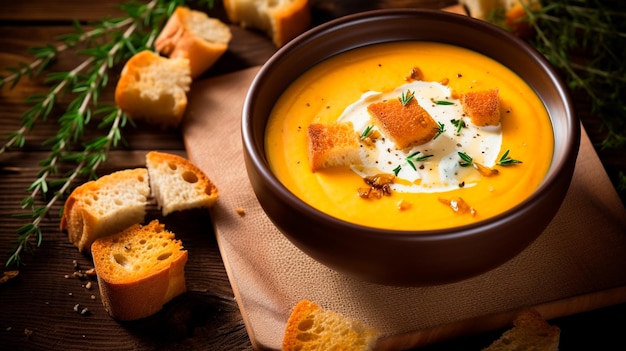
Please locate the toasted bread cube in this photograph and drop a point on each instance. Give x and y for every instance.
(482, 107)
(335, 144)
(406, 125)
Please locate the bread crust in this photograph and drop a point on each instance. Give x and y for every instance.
(139, 270)
(330, 145)
(310, 327)
(405, 124)
(177, 184)
(530, 332)
(281, 21)
(482, 107)
(154, 88)
(193, 35)
(105, 206)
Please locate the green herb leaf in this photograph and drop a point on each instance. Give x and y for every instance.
(406, 97)
(466, 160)
(458, 124)
(366, 133)
(440, 130)
(505, 160)
(443, 102)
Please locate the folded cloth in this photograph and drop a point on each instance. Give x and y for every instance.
(577, 264)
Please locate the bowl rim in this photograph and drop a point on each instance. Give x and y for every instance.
(516, 212)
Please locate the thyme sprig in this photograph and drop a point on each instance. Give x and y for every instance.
(104, 48)
(585, 40)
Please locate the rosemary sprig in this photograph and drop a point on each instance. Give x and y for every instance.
(458, 124)
(104, 47)
(465, 159)
(366, 133)
(405, 98)
(505, 160)
(440, 130)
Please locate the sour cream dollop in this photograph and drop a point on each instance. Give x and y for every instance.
(433, 166)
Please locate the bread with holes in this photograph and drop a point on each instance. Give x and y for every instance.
(331, 145)
(153, 89)
(177, 184)
(311, 327)
(105, 206)
(530, 331)
(139, 270)
(281, 20)
(482, 107)
(195, 36)
(406, 124)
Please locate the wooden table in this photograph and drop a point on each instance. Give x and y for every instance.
(37, 309)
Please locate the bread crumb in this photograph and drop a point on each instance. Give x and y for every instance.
(240, 211)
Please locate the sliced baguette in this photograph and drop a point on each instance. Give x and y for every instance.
(530, 332)
(193, 35)
(139, 270)
(177, 184)
(154, 89)
(311, 327)
(335, 144)
(281, 20)
(105, 206)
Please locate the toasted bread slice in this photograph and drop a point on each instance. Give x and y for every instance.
(335, 144)
(312, 328)
(482, 107)
(139, 270)
(154, 89)
(406, 125)
(193, 35)
(281, 20)
(530, 332)
(105, 206)
(177, 184)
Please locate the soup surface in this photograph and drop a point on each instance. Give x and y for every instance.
(465, 174)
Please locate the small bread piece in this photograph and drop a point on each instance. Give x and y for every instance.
(139, 270)
(105, 206)
(177, 184)
(482, 107)
(312, 328)
(406, 125)
(193, 35)
(530, 332)
(281, 20)
(335, 144)
(154, 89)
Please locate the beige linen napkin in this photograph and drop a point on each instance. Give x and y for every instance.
(578, 263)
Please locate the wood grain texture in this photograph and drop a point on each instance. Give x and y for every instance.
(37, 307)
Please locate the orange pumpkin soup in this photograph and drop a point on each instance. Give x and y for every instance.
(465, 172)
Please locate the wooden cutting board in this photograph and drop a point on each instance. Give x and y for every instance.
(577, 264)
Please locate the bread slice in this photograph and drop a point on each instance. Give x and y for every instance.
(330, 145)
(312, 328)
(193, 35)
(139, 270)
(530, 332)
(281, 20)
(405, 124)
(177, 184)
(154, 89)
(482, 107)
(105, 206)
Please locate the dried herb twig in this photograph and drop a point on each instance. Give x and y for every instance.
(104, 47)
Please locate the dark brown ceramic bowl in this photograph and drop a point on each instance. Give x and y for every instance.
(408, 258)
